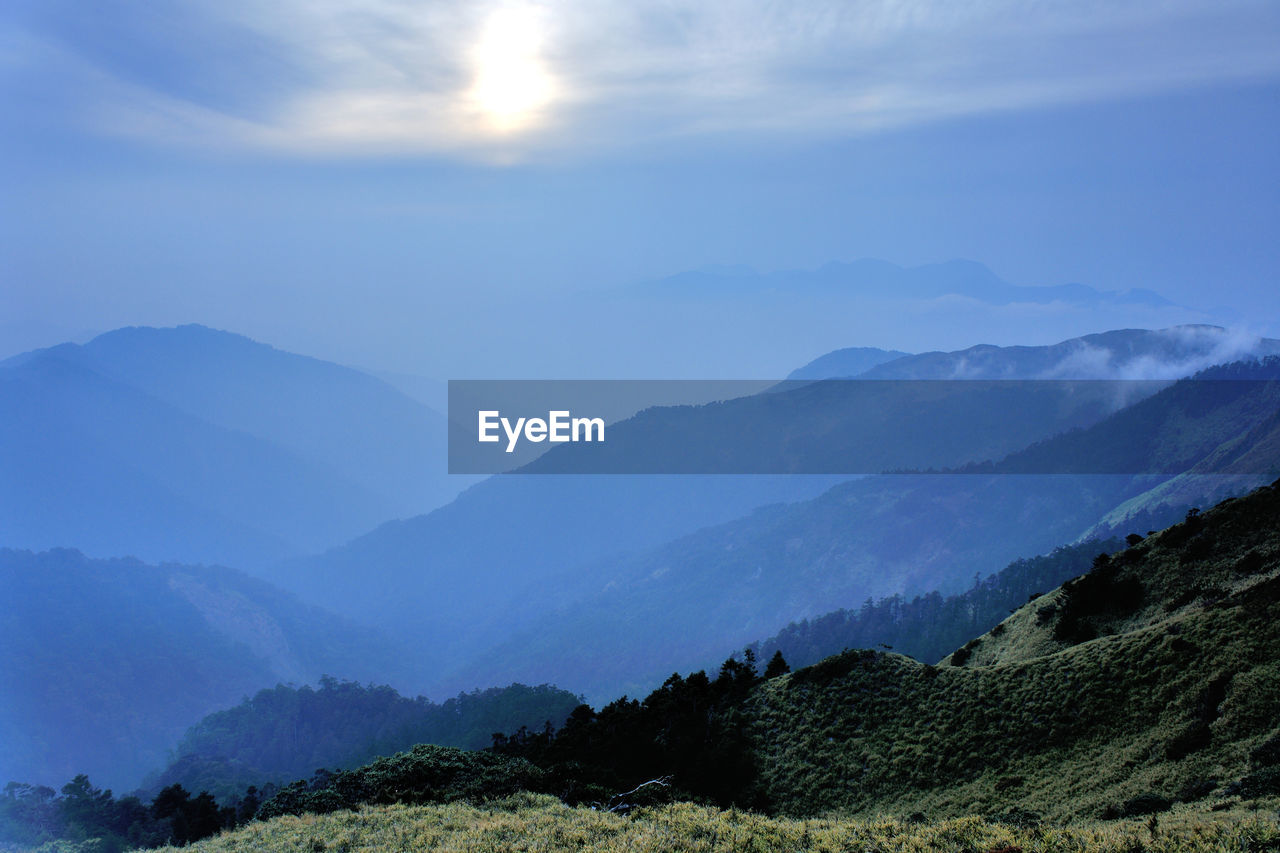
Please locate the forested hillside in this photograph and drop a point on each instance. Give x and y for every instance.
(683, 604)
(107, 662)
(929, 627)
(635, 562)
(1145, 685)
(286, 733)
(1152, 679)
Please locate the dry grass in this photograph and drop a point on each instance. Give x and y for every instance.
(539, 823)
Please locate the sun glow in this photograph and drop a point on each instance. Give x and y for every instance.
(512, 85)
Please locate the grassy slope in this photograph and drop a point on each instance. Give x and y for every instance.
(1031, 721)
(529, 823)
(1033, 718)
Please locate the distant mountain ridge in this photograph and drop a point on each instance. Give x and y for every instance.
(194, 444)
(688, 601)
(107, 662)
(845, 363)
(1145, 685)
(870, 276)
(584, 546)
(1134, 354)
(323, 412)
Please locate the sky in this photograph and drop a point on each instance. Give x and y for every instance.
(438, 188)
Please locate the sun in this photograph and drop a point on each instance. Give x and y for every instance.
(512, 85)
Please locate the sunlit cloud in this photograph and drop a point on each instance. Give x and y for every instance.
(512, 83)
(518, 77)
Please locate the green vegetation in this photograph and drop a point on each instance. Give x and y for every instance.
(424, 774)
(540, 823)
(1133, 708)
(1157, 675)
(86, 818)
(286, 733)
(267, 739)
(929, 627)
(1151, 680)
(681, 605)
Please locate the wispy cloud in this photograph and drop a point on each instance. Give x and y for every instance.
(509, 77)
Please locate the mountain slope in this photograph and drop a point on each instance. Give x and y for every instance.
(1223, 420)
(1156, 673)
(106, 662)
(844, 363)
(876, 278)
(1169, 353)
(688, 602)
(513, 547)
(1153, 679)
(928, 627)
(598, 556)
(284, 734)
(368, 432)
(683, 605)
(88, 461)
(199, 445)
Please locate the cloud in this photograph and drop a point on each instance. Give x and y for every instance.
(1191, 348)
(391, 76)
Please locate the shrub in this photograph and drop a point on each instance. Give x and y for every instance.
(1099, 595)
(961, 655)
(1262, 783)
(1192, 739)
(1020, 818)
(1197, 789)
(1250, 563)
(1145, 804)
(1266, 755)
(425, 774)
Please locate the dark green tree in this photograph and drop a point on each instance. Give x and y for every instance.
(777, 666)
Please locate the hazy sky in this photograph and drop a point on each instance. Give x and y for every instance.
(369, 181)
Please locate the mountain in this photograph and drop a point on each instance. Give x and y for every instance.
(929, 627)
(512, 548)
(683, 604)
(872, 277)
(1146, 681)
(285, 733)
(1124, 354)
(87, 461)
(1223, 420)
(361, 427)
(620, 559)
(199, 445)
(1144, 686)
(107, 662)
(837, 426)
(714, 323)
(845, 363)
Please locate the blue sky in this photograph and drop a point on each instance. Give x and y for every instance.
(398, 184)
